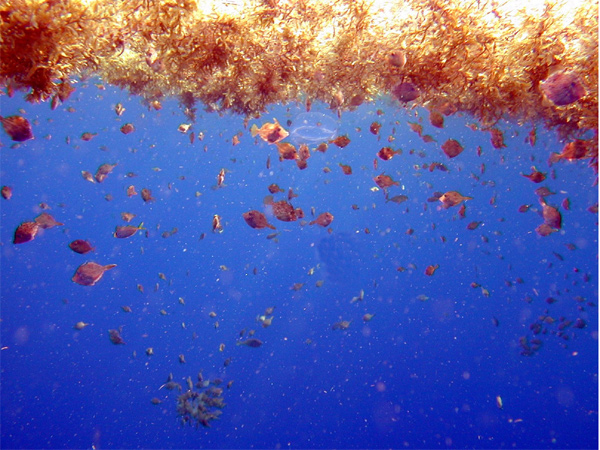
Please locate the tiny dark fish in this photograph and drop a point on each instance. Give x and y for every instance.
(397, 199)
(524, 208)
(147, 195)
(115, 336)
(7, 192)
(543, 192)
(103, 172)
(254, 343)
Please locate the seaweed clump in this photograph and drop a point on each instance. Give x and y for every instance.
(200, 408)
(201, 403)
(481, 58)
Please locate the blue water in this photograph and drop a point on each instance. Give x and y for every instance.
(423, 373)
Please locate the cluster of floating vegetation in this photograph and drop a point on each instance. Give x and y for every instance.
(479, 57)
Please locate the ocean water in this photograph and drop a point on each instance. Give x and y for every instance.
(441, 364)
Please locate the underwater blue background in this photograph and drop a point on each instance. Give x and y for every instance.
(423, 373)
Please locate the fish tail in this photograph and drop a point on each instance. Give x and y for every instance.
(554, 158)
(254, 130)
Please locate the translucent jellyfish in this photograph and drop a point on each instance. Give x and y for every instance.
(313, 128)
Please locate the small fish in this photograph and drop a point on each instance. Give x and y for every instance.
(217, 227)
(115, 336)
(17, 127)
(346, 169)
(342, 325)
(406, 92)
(25, 232)
(184, 127)
(436, 119)
(221, 178)
(563, 88)
(88, 176)
(452, 198)
(274, 188)
(127, 217)
(341, 141)
(81, 246)
(374, 128)
(103, 172)
(578, 149)
(396, 58)
(497, 138)
(80, 325)
(270, 132)
(252, 342)
(6, 192)
(127, 128)
(126, 231)
(147, 195)
(256, 219)
(430, 270)
(387, 153)
(88, 274)
(87, 136)
(452, 148)
(499, 402)
(535, 176)
(397, 199)
(385, 181)
(323, 219)
(286, 151)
